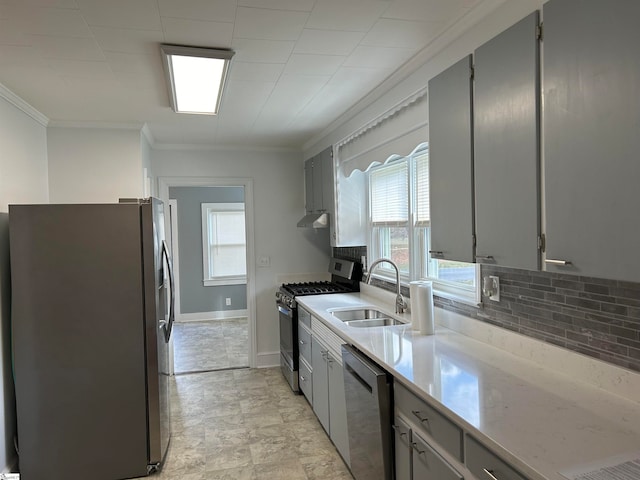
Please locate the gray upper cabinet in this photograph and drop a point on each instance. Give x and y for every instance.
(591, 81)
(318, 182)
(450, 163)
(506, 153)
(313, 185)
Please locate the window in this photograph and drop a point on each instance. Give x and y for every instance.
(400, 227)
(389, 207)
(223, 244)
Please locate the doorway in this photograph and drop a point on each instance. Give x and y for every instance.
(215, 326)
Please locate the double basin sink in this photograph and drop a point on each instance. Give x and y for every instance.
(365, 317)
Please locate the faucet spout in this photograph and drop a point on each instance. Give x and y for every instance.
(401, 304)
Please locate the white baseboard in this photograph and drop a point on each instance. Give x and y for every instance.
(268, 359)
(202, 316)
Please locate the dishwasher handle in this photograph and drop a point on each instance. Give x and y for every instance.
(362, 369)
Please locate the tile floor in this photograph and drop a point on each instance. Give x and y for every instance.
(246, 424)
(210, 345)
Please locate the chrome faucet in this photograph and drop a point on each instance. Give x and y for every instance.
(401, 304)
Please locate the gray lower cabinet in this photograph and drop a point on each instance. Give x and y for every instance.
(403, 449)
(329, 403)
(484, 464)
(338, 408)
(430, 446)
(591, 73)
(420, 434)
(305, 357)
(306, 380)
(427, 464)
(506, 153)
(320, 382)
(450, 163)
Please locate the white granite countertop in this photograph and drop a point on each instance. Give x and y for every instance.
(537, 418)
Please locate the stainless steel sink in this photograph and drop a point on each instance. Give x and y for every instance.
(365, 317)
(374, 322)
(358, 314)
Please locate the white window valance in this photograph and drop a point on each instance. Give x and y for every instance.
(396, 132)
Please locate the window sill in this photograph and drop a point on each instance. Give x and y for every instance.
(221, 281)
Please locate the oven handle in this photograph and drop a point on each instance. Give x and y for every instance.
(284, 310)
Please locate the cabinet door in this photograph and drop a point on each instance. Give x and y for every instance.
(403, 449)
(325, 159)
(591, 71)
(308, 186)
(450, 163)
(338, 408)
(306, 381)
(320, 381)
(480, 460)
(317, 185)
(506, 160)
(428, 465)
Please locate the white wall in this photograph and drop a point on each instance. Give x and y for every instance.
(147, 173)
(278, 205)
(89, 165)
(441, 54)
(23, 179)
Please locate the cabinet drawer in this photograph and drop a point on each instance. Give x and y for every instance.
(304, 341)
(306, 381)
(428, 464)
(304, 317)
(430, 421)
(486, 465)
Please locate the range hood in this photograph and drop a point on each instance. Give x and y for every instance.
(314, 220)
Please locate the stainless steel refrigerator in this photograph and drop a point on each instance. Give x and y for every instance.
(92, 311)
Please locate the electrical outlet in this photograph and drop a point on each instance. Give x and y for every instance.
(228, 301)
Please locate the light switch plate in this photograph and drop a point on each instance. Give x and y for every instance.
(496, 289)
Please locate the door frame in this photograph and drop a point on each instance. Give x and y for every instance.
(163, 186)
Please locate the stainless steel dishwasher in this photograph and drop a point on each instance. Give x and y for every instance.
(369, 407)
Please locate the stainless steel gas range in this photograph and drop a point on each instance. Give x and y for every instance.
(345, 277)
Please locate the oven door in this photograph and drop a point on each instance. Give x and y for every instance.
(288, 318)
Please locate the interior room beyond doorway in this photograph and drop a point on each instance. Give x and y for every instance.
(211, 330)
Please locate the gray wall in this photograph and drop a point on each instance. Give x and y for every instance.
(194, 296)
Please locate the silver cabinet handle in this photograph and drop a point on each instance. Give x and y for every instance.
(490, 474)
(399, 430)
(304, 379)
(420, 417)
(484, 257)
(414, 445)
(557, 262)
(301, 342)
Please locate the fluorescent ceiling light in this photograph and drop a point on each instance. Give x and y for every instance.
(195, 77)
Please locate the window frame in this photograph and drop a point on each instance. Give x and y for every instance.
(418, 244)
(210, 280)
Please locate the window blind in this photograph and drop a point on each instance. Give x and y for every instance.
(389, 190)
(227, 245)
(422, 188)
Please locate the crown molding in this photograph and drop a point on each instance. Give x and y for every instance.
(222, 148)
(22, 105)
(97, 125)
(436, 46)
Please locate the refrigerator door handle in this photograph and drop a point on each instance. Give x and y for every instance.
(169, 325)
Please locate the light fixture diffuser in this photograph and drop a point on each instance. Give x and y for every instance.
(195, 77)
